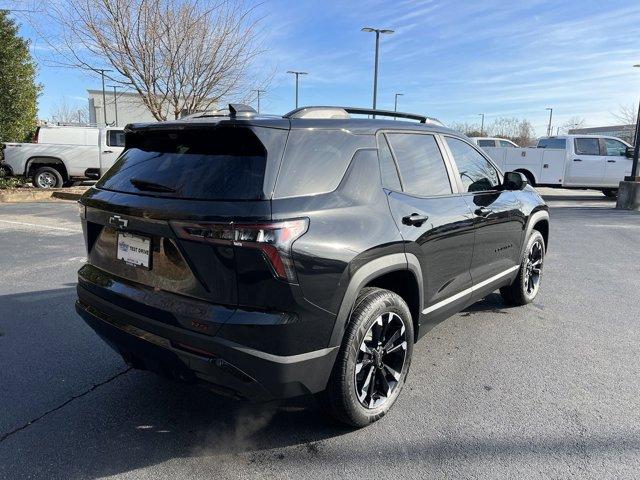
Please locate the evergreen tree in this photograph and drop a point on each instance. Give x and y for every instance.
(18, 88)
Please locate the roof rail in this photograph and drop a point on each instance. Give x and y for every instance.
(342, 112)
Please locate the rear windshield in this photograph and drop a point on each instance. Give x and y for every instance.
(224, 163)
(552, 143)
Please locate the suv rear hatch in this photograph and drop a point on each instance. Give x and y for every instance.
(163, 225)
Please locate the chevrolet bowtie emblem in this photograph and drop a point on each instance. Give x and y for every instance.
(118, 222)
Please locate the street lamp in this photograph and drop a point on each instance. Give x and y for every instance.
(482, 124)
(550, 117)
(395, 102)
(377, 31)
(297, 74)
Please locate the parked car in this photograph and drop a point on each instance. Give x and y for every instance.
(493, 142)
(61, 155)
(271, 257)
(570, 161)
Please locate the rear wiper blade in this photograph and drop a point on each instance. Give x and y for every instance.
(150, 186)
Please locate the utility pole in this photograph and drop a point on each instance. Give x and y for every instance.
(115, 101)
(377, 31)
(259, 92)
(395, 102)
(297, 74)
(482, 124)
(104, 95)
(550, 117)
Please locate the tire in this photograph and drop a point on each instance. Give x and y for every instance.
(47, 177)
(610, 192)
(377, 313)
(527, 284)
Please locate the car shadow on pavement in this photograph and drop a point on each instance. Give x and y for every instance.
(72, 409)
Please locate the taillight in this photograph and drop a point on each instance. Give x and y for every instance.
(35, 137)
(274, 239)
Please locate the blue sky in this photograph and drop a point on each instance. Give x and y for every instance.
(451, 60)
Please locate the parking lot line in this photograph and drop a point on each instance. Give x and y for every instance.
(25, 224)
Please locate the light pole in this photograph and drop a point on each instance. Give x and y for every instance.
(550, 117)
(395, 102)
(297, 74)
(104, 96)
(115, 101)
(482, 124)
(636, 147)
(259, 92)
(377, 31)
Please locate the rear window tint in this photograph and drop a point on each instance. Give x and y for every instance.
(552, 143)
(215, 164)
(316, 160)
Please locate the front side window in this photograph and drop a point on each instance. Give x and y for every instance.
(421, 164)
(615, 148)
(476, 172)
(504, 143)
(587, 146)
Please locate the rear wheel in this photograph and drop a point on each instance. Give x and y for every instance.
(47, 177)
(610, 192)
(526, 285)
(374, 359)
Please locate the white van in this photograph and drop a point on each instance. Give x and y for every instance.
(64, 154)
(573, 161)
(493, 142)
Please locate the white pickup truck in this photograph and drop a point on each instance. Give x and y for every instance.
(570, 161)
(61, 155)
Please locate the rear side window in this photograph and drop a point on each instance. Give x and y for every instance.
(316, 160)
(388, 170)
(212, 164)
(486, 143)
(587, 146)
(421, 164)
(476, 172)
(552, 143)
(115, 138)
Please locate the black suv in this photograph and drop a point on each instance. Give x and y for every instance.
(269, 257)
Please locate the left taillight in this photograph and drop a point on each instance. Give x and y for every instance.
(273, 239)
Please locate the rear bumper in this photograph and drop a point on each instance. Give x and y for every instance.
(223, 365)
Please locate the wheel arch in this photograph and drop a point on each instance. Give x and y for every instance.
(400, 273)
(530, 176)
(539, 221)
(36, 162)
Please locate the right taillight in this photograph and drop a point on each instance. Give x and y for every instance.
(274, 239)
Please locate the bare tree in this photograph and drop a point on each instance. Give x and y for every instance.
(468, 129)
(573, 123)
(178, 55)
(626, 114)
(63, 112)
(518, 131)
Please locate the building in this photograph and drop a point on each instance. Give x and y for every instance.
(126, 106)
(623, 132)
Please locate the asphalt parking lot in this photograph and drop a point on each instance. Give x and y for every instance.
(545, 391)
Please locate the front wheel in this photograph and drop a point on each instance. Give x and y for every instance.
(374, 359)
(527, 284)
(610, 192)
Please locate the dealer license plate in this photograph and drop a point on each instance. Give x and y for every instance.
(134, 250)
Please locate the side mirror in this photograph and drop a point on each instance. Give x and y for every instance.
(629, 152)
(515, 181)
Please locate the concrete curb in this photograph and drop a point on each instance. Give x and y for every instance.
(38, 195)
(629, 196)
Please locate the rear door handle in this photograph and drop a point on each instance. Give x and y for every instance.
(107, 151)
(611, 161)
(415, 219)
(483, 212)
(577, 160)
